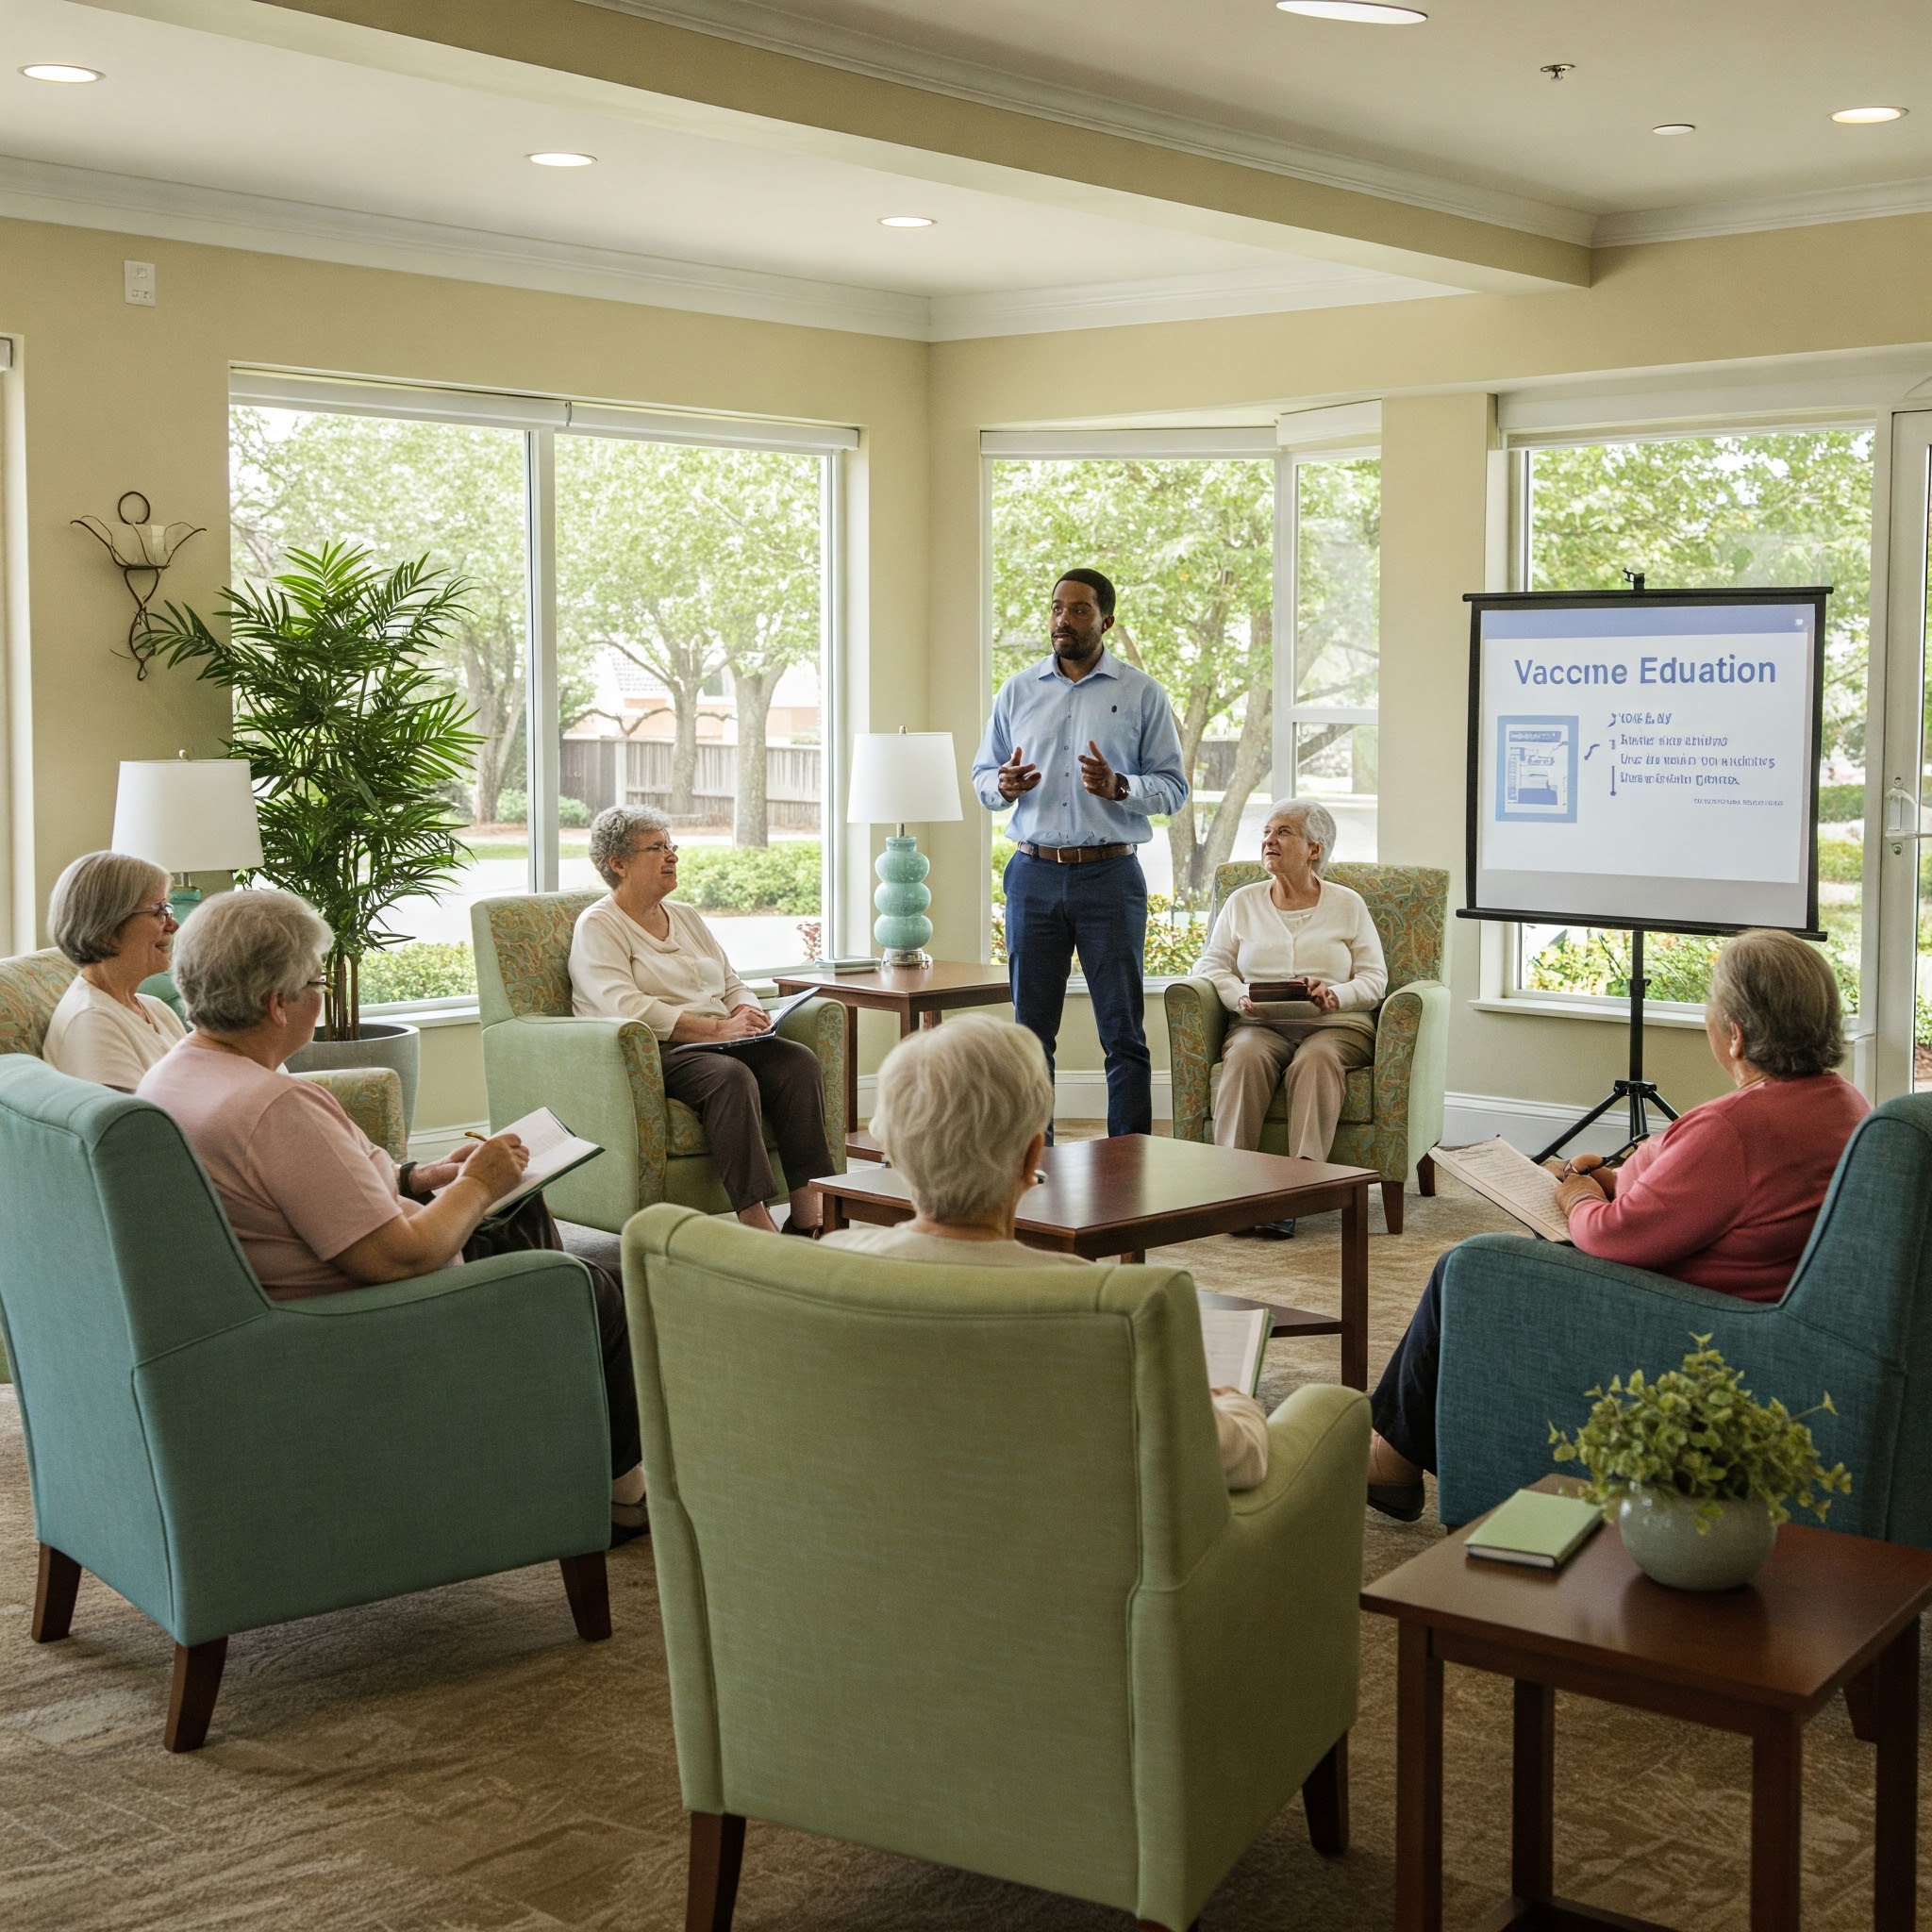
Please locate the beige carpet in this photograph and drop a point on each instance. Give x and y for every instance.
(460, 1760)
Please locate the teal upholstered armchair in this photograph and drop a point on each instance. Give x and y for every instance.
(1528, 1325)
(602, 1077)
(947, 1566)
(1392, 1111)
(224, 1461)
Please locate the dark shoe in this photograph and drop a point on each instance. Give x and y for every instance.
(811, 1234)
(1403, 1501)
(1267, 1231)
(628, 1519)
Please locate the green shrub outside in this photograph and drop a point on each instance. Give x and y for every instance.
(513, 808)
(782, 878)
(1172, 949)
(1839, 804)
(1676, 965)
(424, 970)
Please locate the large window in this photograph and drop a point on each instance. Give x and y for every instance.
(1786, 506)
(1192, 545)
(651, 612)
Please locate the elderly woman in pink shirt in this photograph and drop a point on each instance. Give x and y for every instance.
(1724, 1197)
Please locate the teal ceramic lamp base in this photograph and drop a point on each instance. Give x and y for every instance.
(902, 928)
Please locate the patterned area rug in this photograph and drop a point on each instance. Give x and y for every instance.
(459, 1759)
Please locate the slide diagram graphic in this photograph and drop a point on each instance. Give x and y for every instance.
(1536, 778)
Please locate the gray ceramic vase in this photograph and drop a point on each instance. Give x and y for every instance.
(1660, 1532)
(384, 1043)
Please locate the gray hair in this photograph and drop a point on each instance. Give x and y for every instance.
(1317, 822)
(614, 830)
(95, 897)
(955, 1107)
(239, 947)
(1782, 996)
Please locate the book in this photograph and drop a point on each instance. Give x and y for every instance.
(553, 1151)
(1272, 991)
(774, 1012)
(1514, 1181)
(1235, 1340)
(1535, 1528)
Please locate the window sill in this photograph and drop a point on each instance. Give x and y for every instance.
(427, 1017)
(1606, 1012)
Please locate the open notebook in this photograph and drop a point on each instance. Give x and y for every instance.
(1234, 1340)
(1514, 1181)
(553, 1150)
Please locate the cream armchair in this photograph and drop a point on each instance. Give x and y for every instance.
(603, 1077)
(1392, 1113)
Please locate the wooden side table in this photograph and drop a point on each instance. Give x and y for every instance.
(917, 994)
(1827, 1613)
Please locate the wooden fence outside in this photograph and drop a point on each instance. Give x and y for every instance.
(610, 771)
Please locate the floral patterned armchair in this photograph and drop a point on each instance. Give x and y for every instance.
(1392, 1111)
(602, 1077)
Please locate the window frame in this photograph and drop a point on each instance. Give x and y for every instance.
(541, 419)
(1532, 424)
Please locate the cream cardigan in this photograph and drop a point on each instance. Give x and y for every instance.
(1334, 941)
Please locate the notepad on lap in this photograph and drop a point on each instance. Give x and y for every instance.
(1235, 1339)
(1536, 1528)
(1514, 1181)
(553, 1151)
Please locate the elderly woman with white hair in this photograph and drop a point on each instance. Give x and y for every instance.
(317, 1206)
(1294, 925)
(109, 915)
(961, 1111)
(638, 954)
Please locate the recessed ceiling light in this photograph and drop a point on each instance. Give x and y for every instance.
(1364, 12)
(1675, 128)
(1861, 117)
(556, 158)
(65, 76)
(906, 222)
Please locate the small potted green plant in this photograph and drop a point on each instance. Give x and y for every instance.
(1696, 1471)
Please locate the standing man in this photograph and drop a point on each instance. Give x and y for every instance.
(1084, 748)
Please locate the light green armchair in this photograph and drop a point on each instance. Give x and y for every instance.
(603, 1077)
(947, 1567)
(30, 987)
(1392, 1111)
(224, 1461)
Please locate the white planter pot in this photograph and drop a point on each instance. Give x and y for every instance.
(1662, 1532)
(383, 1043)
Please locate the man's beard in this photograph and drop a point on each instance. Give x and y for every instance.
(1075, 648)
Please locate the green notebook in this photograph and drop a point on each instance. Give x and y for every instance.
(1536, 1528)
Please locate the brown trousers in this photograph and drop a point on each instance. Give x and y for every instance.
(735, 1093)
(1311, 1058)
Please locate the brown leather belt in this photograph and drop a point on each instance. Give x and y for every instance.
(1072, 855)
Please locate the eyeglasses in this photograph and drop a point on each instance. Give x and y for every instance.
(158, 908)
(657, 845)
(315, 985)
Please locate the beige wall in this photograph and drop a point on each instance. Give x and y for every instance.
(109, 397)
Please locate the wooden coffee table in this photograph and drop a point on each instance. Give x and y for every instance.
(1828, 1612)
(1134, 1192)
(917, 994)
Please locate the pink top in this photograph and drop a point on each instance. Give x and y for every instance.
(1726, 1196)
(299, 1180)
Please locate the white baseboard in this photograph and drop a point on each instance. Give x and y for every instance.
(1081, 1095)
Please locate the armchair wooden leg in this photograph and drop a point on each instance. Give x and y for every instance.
(54, 1593)
(1425, 1178)
(1391, 1205)
(1325, 1795)
(192, 1697)
(588, 1585)
(717, 1851)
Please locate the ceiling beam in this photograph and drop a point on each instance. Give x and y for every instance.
(599, 57)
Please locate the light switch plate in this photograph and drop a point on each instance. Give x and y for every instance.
(137, 283)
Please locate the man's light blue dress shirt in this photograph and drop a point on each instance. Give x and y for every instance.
(1051, 717)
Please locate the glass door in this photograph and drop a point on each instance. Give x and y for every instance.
(1905, 858)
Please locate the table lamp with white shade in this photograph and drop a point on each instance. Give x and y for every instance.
(188, 815)
(900, 779)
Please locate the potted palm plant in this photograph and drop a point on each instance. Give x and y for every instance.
(353, 739)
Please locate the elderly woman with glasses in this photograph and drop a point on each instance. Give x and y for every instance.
(638, 954)
(317, 1206)
(109, 915)
(962, 1112)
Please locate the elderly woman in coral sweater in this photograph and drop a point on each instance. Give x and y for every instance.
(1724, 1197)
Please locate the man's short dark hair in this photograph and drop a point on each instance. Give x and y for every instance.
(1103, 590)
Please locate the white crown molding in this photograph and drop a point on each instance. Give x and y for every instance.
(1807, 210)
(91, 198)
(775, 30)
(1182, 298)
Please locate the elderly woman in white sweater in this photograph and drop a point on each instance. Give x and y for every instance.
(1294, 925)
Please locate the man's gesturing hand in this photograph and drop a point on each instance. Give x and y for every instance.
(1016, 775)
(1098, 776)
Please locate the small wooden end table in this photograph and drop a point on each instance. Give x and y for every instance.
(918, 994)
(1827, 1613)
(1134, 1192)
